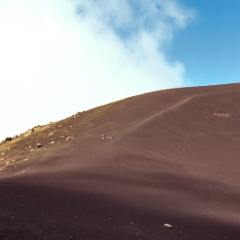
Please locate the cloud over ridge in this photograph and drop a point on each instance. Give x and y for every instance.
(59, 56)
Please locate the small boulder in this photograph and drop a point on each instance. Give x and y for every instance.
(166, 225)
(38, 145)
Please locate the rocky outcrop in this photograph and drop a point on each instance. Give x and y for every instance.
(7, 139)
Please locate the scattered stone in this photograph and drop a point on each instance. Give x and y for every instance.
(38, 145)
(52, 142)
(106, 137)
(2, 154)
(222, 115)
(69, 138)
(166, 225)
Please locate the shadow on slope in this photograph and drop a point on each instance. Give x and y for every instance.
(30, 211)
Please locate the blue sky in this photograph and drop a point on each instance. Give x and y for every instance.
(59, 57)
(209, 47)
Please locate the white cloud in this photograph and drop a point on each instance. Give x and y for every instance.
(59, 56)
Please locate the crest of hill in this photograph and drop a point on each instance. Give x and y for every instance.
(131, 107)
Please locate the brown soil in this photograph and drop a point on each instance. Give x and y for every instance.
(123, 170)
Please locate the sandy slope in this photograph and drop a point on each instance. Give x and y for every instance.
(166, 157)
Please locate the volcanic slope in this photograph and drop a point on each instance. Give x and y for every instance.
(123, 170)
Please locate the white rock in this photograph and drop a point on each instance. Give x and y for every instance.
(166, 225)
